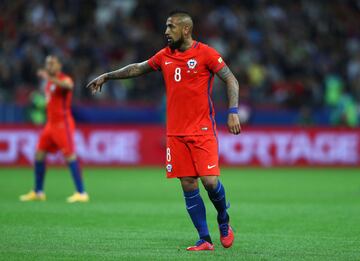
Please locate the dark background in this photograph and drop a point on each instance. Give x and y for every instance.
(298, 62)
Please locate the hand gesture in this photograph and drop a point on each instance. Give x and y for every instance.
(96, 84)
(234, 123)
(43, 74)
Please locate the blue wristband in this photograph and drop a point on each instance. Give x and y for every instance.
(233, 110)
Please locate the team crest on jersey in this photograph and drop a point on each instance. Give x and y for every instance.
(192, 63)
(169, 167)
(52, 87)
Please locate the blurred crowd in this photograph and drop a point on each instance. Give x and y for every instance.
(303, 55)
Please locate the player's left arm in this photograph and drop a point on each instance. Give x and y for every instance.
(65, 83)
(232, 86)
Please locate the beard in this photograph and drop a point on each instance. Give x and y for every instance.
(52, 72)
(176, 44)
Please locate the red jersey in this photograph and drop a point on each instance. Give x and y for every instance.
(189, 78)
(58, 101)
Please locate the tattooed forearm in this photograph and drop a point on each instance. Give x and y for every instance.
(233, 94)
(224, 73)
(232, 86)
(129, 71)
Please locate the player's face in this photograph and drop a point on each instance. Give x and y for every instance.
(52, 65)
(174, 33)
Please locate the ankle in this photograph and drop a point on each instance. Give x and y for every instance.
(223, 218)
(207, 238)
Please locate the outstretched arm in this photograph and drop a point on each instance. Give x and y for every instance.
(129, 71)
(232, 86)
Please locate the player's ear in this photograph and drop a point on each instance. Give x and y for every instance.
(186, 30)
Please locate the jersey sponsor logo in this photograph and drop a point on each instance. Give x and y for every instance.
(169, 167)
(211, 166)
(166, 63)
(204, 128)
(192, 63)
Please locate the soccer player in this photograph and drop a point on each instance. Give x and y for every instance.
(188, 68)
(58, 133)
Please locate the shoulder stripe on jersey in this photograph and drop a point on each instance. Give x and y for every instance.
(196, 44)
(211, 106)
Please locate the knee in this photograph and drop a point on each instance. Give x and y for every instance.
(40, 155)
(189, 184)
(210, 182)
(70, 157)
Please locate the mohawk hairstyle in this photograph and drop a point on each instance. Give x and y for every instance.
(57, 57)
(179, 12)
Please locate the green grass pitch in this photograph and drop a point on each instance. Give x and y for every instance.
(137, 214)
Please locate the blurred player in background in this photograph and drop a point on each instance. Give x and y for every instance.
(188, 68)
(58, 133)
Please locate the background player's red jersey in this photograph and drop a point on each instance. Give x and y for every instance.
(189, 77)
(58, 101)
(59, 130)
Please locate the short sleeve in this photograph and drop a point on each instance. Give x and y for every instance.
(68, 78)
(65, 77)
(214, 60)
(155, 61)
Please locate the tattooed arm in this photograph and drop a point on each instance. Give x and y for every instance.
(129, 71)
(233, 96)
(232, 86)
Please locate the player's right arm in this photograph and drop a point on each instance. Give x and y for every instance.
(129, 71)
